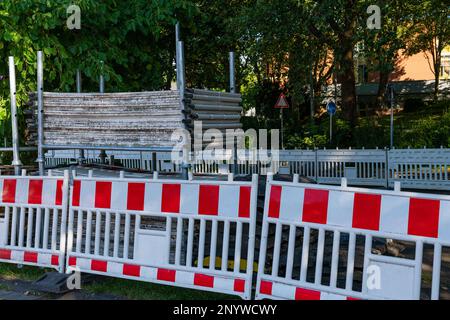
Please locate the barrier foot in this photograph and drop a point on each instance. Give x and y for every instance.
(52, 282)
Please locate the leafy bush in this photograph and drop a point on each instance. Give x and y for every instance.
(432, 132)
(410, 130)
(299, 142)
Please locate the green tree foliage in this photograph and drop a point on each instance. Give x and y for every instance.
(382, 48)
(135, 39)
(281, 46)
(431, 30)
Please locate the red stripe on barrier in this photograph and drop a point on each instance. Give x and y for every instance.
(208, 202)
(135, 197)
(203, 280)
(239, 285)
(55, 260)
(35, 191)
(131, 270)
(266, 288)
(72, 261)
(366, 211)
(76, 193)
(103, 194)
(59, 192)
(353, 299)
(424, 217)
(30, 257)
(170, 202)
(5, 254)
(9, 191)
(244, 201)
(166, 275)
(97, 265)
(315, 206)
(304, 294)
(275, 202)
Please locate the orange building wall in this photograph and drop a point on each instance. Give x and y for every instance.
(416, 67)
(409, 68)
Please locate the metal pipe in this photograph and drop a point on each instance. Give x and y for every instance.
(177, 32)
(21, 149)
(103, 154)
(177, 53)
(40, 93)
(81, 157)
(15, 131)
(78, 81)
(214, 98)
(110, 148)
(232, 73)
(181, 87)
(392, 114)
(102, 84)
(102, 79)
(180, 66)
(215, 108)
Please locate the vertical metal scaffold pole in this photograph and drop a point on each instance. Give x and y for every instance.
(181, 88)
(40, 88)
(391, 88)
(232, 73)
(78, 81)
(15, 130)
(103, 154)
(233, 90)
(81, 157)
(177, 53)
(102, 79)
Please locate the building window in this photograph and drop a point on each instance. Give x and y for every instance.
(363, 75)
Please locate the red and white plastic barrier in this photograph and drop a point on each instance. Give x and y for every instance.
(191, 234)
(201, 235)
(33, 227)
(289, 292)
(312, 212)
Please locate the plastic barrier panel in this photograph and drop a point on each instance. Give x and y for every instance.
(321, 242)
(33, 220)
(193, 234)
(420, 168)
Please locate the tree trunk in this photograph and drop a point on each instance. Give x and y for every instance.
(437, 74)
(348, 81)
(382, 82)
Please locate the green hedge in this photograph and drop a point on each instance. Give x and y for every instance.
(428, 127)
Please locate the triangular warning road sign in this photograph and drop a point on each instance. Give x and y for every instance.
(282, 102)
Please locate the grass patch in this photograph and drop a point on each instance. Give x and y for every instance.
(137, 290)
(134, 290)
(26, 273)
(4, 287)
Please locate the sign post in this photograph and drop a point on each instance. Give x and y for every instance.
(331, 109)
(281, 104)
(392, 115)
